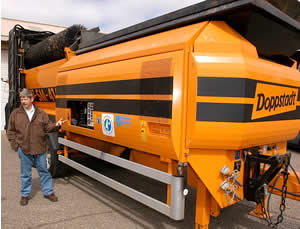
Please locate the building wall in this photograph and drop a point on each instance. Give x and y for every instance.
(6, 25)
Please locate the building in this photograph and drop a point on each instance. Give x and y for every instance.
(6, 25)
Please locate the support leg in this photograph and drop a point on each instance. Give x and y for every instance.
(170, 171)
(257, 212)
(203, 201)
(66, 153)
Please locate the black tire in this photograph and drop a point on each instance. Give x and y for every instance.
(55, 167)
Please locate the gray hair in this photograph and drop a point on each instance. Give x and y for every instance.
(25, 93)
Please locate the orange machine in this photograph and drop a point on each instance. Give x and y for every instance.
(201, 97)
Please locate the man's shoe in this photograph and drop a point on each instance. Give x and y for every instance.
(24, 200)
(51, 197)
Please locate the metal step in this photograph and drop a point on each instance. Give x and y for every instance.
(176, 208)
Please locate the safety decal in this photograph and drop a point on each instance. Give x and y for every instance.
(123, 121)
(108, 125)
(44, 94)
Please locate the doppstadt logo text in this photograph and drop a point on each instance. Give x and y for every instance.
(274, 102)
(273, 99)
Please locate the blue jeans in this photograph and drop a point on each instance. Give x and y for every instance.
(41, 166)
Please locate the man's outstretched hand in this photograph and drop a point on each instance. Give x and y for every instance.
(60, 122)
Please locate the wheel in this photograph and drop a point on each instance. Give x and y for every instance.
(55, 167)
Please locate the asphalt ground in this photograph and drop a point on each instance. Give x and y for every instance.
(86, 203)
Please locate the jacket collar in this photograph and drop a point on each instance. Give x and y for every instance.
(36, 111)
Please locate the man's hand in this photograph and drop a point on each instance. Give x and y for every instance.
(60, 122)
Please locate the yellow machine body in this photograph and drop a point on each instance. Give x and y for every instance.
(198, 94)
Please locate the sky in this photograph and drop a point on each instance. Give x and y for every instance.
(108, 15)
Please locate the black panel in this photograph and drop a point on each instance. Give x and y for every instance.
(151, 86)
(277, 84)
(224, 112)
(231, 87)
(291, 115)
(153, 108)
(231, 112)
(226, 87)
(266, 27)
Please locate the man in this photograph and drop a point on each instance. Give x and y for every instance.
(27, 131)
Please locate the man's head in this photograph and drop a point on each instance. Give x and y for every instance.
(26, 98)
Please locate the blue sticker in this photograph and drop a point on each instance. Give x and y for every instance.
(98, 120)
(237, 155)
(123, 121)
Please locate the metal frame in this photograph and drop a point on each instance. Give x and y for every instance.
(176, 208)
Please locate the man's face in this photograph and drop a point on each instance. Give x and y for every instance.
(26, 102)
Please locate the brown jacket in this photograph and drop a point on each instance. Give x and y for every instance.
(30, 136)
